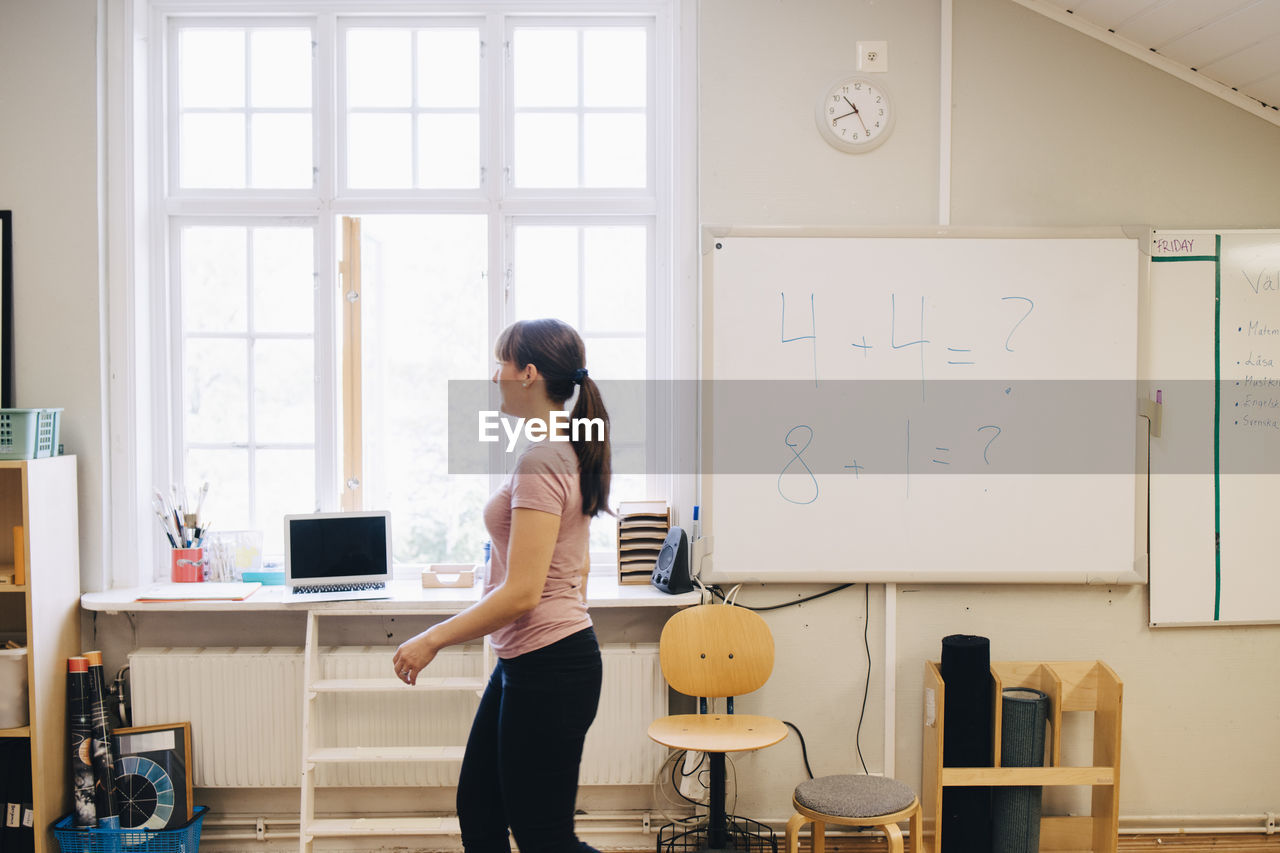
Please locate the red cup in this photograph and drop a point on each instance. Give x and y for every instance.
(186, 565)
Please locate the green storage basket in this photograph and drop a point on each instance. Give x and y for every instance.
(29, 433)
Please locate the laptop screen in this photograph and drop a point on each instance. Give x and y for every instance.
(350, 547)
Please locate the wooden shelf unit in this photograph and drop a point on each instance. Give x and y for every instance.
(1089, 686)
(40, 495)
(315, 755)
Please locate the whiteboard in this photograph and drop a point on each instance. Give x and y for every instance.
(1212, 352)
(940, 405)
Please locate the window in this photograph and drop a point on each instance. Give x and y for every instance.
(483, 168)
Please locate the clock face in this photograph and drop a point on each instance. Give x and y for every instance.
(855, 114)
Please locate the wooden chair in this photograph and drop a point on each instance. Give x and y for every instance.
(855, 801)
(716, 651)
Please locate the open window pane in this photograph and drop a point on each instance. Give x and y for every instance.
(424, 310)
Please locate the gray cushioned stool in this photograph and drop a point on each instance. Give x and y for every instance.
(854, 801)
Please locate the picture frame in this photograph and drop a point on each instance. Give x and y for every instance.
(153, 775)
(6, 309)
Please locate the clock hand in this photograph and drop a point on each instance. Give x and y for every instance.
(858, 114)
(846, 115)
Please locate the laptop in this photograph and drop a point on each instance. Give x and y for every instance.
(337, 556)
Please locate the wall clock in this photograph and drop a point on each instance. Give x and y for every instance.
(855, 114)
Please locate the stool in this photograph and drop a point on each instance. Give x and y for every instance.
(854, 801)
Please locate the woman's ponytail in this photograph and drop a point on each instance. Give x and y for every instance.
(595, 468)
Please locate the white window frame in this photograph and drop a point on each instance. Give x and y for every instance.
(141, 388)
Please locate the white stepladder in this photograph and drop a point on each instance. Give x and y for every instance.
(315, 755)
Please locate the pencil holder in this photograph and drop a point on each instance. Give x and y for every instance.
(186, 565)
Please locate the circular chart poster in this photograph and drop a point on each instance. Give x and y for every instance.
(153, 775)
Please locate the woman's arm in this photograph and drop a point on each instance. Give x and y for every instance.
(529, 550)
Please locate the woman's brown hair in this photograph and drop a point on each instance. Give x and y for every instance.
(556, 349)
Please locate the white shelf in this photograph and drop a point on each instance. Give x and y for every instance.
(366, 826)
(407, 597)
(395, 685)
(397, 754)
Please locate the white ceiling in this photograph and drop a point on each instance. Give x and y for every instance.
(1230, 48)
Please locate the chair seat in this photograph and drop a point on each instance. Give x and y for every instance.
(851, 796)
(717, 732)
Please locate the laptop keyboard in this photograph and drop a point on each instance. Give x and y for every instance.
(338, 587)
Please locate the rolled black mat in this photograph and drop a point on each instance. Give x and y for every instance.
(1016, 811)
(967, 741)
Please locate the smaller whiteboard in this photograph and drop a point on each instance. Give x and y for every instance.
(942, 406)
(1213, 352)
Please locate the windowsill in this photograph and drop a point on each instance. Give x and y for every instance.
(407, 596)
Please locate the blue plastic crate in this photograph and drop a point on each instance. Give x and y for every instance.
(179, 839)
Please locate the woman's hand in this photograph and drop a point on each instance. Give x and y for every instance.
(413, 656)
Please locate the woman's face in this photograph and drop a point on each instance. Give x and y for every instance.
(509, 380)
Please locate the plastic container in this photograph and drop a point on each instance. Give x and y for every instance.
(13, 688)
(179, 839)
(29, 433)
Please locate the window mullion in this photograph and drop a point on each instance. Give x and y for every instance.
(251, 341)
(248, 112)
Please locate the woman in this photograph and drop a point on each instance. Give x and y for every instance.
(521, 765)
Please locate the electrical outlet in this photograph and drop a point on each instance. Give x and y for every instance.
(873, 56)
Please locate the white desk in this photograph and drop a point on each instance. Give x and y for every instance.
(407, 596)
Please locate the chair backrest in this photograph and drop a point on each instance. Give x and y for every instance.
(716, 650)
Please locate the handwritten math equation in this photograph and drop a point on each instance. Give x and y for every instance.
(906, 330)
(798, 483)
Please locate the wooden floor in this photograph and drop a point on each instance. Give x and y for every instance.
(1128, 844)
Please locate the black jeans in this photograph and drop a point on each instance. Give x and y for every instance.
(521, 766)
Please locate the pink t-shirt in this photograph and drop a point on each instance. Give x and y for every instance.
(545, 479)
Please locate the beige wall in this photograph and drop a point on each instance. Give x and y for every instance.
(48, 178)
(1049, 128)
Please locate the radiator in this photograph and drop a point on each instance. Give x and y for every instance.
(245, 709)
